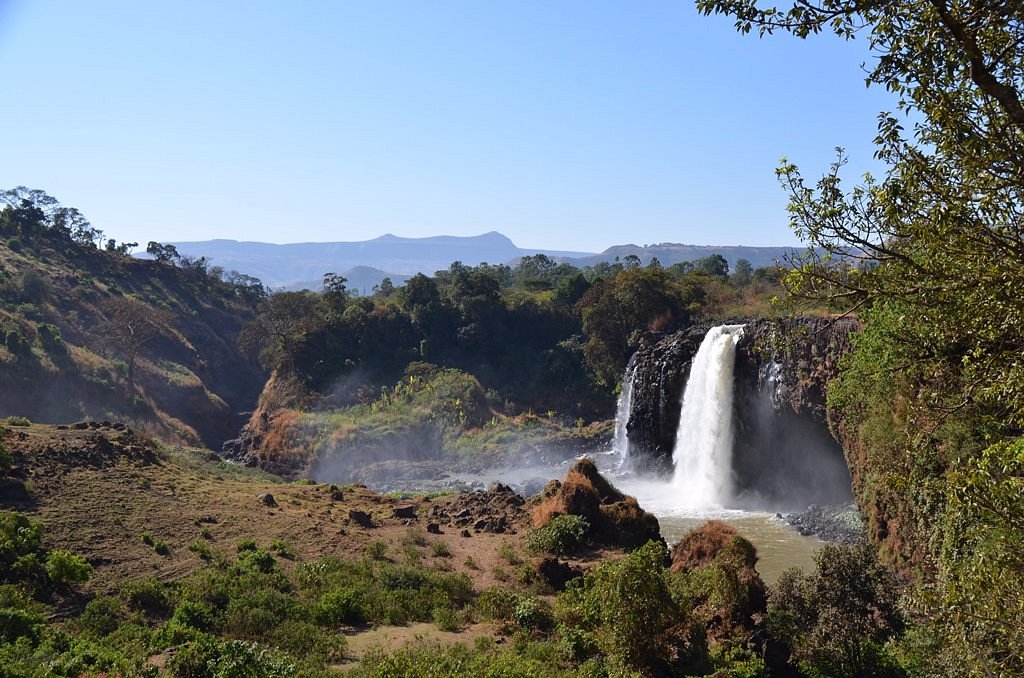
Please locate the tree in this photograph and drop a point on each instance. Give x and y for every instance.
(744, 272)
(283, 321)
(714, 265)
(129, 324)
(165, 253)
(836, 620)
(617, 313)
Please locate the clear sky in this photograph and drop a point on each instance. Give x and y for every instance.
(567, 124)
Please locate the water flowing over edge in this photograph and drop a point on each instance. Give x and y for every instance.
(703, 449)
(620, 441)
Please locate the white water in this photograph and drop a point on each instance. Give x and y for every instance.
(703, 450)
(620, 443)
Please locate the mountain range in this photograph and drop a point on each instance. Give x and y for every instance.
(365, 263)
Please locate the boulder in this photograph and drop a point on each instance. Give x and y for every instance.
(615, 519)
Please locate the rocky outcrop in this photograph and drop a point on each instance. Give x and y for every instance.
(497, 510)
(659, 374)
(783, 450)
(615, 519)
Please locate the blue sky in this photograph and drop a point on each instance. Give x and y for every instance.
(575, 124)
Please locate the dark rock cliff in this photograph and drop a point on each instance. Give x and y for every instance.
(783, 455)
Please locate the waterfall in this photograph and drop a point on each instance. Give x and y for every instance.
(703, 450)
(620, 443)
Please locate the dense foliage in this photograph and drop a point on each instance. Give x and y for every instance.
(541, 335)
(931, 404)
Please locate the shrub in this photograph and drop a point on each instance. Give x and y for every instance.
(440, 549)
(193, 614)
(207, 657)
(628, 607)
(15, 623)
(259, 560)
(102, 616)
(341, 606)
(446, 619)
(282, 549)
(532, 613)
(563, 535)
(508, 552)
(837, 619)
(376, 550)
(201, 549)
(147, 595)
(302, 639)
(246, 545)
(64, 567)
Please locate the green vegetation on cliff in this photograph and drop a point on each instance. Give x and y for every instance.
(930, 405)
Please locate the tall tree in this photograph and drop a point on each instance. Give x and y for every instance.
(129, 324)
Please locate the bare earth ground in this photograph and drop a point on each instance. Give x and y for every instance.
(98, 490)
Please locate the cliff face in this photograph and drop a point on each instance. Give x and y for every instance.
(784, 454)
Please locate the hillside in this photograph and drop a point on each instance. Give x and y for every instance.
(94, 333)
(217, 566)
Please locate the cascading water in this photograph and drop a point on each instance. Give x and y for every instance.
(620, 443)
(703, 450)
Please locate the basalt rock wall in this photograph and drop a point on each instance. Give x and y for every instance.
(784, 454)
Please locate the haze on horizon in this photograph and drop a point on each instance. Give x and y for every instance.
(574, 126)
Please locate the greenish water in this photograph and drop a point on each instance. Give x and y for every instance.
(779, 546)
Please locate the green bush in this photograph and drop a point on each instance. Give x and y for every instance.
(193, 614)
(201, 549)
(446, 619)
(148, 596)
(628, 607)
(207, 657)
(564, 535)
(64, 567)
(102, 616)
(376, 550)
(308, 641)
(837, 620)
(341, 606)
(6, 460)
(15, 623)
(247, 545)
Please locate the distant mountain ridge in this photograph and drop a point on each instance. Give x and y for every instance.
(365, 263)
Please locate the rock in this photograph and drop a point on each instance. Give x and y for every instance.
(360, 518)
(405, 511)
(266, 499)
(466, 533)
(699, 547)
(335, 493)
(556, 573)
(615, 519)
(434, 528)
(837, 523)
